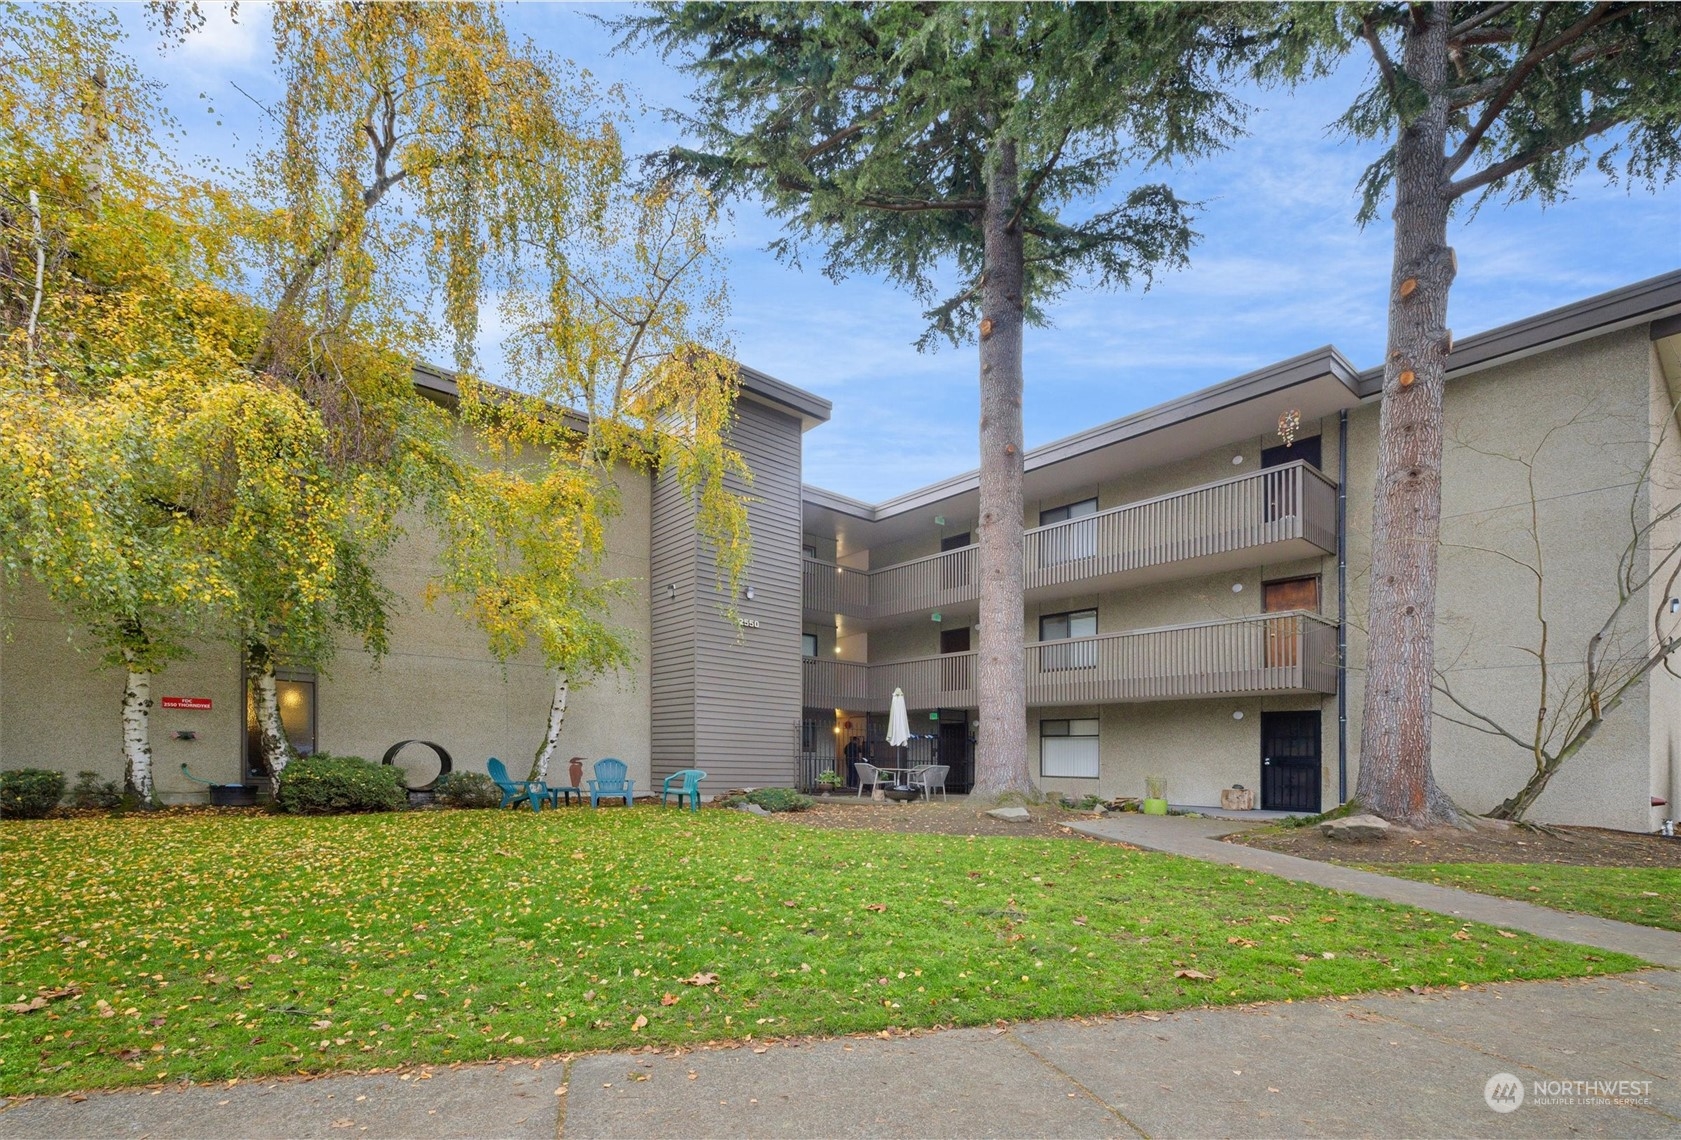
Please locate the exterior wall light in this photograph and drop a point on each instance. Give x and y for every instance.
(1238, 715)
(1675, 605)
(1237, 587)
(1237, 461)
(748, 593)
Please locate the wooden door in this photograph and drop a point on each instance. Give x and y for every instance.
(1284, 633)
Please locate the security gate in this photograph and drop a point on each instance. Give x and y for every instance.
(1290, 761)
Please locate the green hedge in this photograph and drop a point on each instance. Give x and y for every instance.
(468, 790)
(771, 799)
(332, 785)
(30, 793)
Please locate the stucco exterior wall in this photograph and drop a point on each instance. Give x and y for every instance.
(60, 707)
(1585, 475)
(1664, 698)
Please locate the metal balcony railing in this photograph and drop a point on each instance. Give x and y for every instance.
(1278, 504)
(1266, 653)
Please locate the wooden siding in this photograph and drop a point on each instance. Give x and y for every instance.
(727, 698)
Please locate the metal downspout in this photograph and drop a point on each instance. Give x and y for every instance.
(1342, 606)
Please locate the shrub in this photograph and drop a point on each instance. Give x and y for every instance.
(329, 785)
(779, 799)
(90, 791)
(30, 793)
(468, 790)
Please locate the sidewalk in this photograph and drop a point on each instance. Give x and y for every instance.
(1389, 1065)
(1193, 837)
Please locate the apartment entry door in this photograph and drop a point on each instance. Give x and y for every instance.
(1283, 632)
(1290, 761)
(956, 750)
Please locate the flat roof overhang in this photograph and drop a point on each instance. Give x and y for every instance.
(1317, 384)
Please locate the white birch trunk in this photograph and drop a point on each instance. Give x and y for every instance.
(271, 732)
(551, 739)
(137, 737)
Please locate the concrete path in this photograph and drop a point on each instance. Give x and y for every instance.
(1193, 837)
(1390, 1065)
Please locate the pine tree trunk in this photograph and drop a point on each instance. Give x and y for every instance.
(271, 731)
(137, 736)
(1001, 675)
(551, 739)
(1396, 780)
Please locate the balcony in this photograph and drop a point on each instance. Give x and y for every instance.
(1292, 652)
(1272, 515)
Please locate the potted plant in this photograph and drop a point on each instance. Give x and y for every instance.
(830, 780)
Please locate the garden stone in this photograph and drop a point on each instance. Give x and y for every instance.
(1355, 829)
(753, 809)
(1013, 814)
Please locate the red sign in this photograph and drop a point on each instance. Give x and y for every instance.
(196, 704)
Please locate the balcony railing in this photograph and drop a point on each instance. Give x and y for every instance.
(1275, 505)
(1267, 653)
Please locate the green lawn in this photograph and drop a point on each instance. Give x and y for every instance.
(1649, 896)
(218, 946)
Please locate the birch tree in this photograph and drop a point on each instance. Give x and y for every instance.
(1480, 102)
(967, 153)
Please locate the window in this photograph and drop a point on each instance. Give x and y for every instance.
(1068, 748)
(808, 550)
(294, 691)
(1067, 543)
(1061, 627)
(808, 644)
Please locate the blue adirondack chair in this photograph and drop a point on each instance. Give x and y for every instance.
(688, 784)
(532, 791)
(610, 782)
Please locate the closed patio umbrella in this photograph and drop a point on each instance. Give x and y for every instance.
(898, 724)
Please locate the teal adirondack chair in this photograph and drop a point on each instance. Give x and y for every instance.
(610, 782)
(533, 791)
(688, 784)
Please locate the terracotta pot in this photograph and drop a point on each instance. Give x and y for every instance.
(576, 771)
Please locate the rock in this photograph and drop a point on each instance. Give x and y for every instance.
(1355, 828)
(1013, 814)
(753, 809)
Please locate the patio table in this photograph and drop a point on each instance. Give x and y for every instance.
(556, 793)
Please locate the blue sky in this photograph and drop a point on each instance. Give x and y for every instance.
(1281, 267)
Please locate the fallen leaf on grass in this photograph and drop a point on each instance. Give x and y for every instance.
(1284, 918)
(1462, 935)
(1194, 975)
(701, 980)
(1246, 943)
(639, 1024)
(669, 999)
(877, 907)
(1505, 934)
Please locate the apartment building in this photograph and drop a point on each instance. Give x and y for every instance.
(1195, 584)
(1195, 587)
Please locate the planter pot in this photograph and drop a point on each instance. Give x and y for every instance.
(1155, 807)
(233, 795)
(903, 795)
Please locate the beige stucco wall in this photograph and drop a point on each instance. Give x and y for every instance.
(1486, 606)
(1665, 695)
(59, 708)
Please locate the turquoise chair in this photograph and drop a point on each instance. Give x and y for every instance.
(610, 782)
(688, 784)
(533, 791)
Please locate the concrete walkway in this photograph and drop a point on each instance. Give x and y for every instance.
(1193, 837)
(1389, 1065)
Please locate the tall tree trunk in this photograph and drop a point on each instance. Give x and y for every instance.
(271, 731)
(1001, 681)
(137, 735)
(551, 738)
(1396, 780)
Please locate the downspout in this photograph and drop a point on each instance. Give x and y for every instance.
(1342, 606)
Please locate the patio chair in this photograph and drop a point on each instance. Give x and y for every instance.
(610, 782)
(867, 774)
(534, 792)
(931, 778)
(688, 784)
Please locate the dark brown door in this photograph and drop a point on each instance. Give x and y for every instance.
(956, 676)
(1284, 634)
(1307, 449)
(954, 572)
